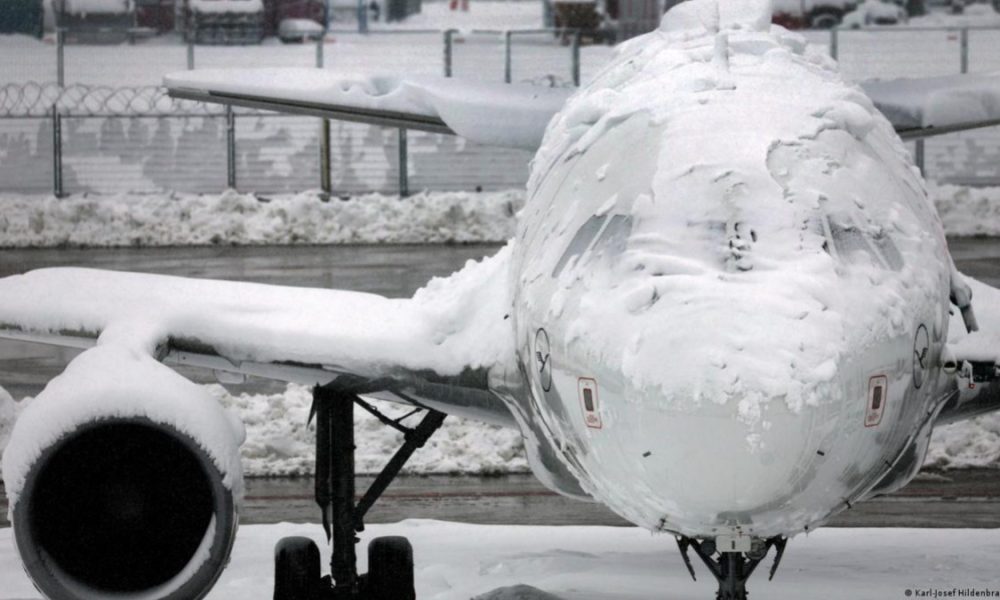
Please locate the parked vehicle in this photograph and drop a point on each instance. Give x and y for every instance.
(95, 21)
(224, 21)
(812, 14)
(289, 19)
(875, 12)
(156, 15)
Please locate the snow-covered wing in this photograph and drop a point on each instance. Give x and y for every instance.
(441, 342)
(936, 105)
(513, 115)
(976, 356)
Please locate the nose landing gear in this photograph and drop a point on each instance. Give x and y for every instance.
(731, 569)
(390, 559)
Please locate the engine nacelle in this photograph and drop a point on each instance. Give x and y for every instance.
(124, 485)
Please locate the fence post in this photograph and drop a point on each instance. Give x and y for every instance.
(57, 175)
(362, 16)
(404, 165)
(61, 56)
(319, 52)
(964, 37)
(447, 51)
(190, 54)
(324, 158)
(919, 157)
(230, 147)
(575, 52)
(834, 43)
(507, 75)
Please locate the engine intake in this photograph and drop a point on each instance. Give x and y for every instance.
(124, 507)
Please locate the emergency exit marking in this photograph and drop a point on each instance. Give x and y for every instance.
(587, 387)
(878, 389)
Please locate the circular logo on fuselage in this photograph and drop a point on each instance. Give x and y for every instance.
(921, 356)
(543, 360)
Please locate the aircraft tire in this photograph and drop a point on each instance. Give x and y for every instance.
(296, 569)
(390, 569)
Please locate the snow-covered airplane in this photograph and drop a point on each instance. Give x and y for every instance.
(725, 315)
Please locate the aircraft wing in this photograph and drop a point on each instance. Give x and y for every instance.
(435, 349)
(516, 115)
(975, 357)
(931, 106)
(512, 115)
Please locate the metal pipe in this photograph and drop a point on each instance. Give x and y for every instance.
(575, 54)
(325, 182)
(60, 56)
(834, 43)
(190, 53)
(230, 148)
(964, 37)
(57, 174)
(506, 57)
(404, 165)
(919, 157)
(448, 42)
(319, 52)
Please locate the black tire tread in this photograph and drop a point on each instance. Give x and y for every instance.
(296, 569)
(390, 569)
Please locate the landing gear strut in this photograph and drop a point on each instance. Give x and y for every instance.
(732, 569)
(390, 559)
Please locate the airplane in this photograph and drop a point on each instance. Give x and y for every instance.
(729, 314)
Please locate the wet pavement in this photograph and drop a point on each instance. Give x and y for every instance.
(965, 498)
(968, 498)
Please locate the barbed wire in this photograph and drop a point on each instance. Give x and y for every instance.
(33, 99)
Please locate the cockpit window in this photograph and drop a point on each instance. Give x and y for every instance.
(600, 234)
(855, 244)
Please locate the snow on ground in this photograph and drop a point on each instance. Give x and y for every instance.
(233, 218)
(280, 443)
(459, 562)
(975, 15)
(35, 221)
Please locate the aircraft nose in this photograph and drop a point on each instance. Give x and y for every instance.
(719, 464)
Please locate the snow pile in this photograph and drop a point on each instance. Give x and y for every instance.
(140, 387)
(974, 443)
(279, 442)
(233, 218)
(968, 211)
(230, 218)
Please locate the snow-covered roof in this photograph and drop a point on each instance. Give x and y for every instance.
(226, 6)
(82, 7)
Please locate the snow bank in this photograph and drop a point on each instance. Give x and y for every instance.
(112, 381)
(279, 442)
(230, 218)
(968, 211)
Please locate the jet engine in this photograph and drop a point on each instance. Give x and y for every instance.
(124, 486)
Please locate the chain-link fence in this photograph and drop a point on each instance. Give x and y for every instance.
(120, 132)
